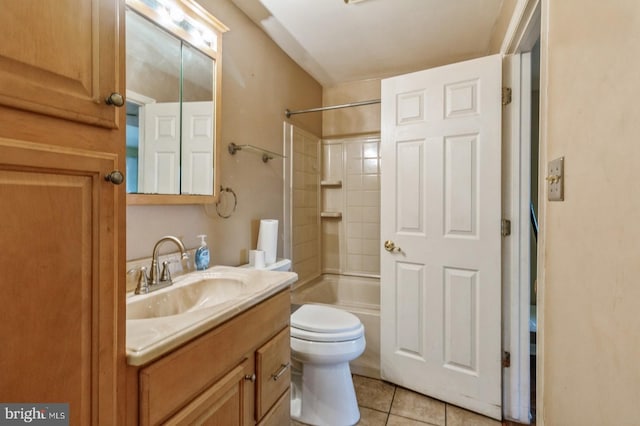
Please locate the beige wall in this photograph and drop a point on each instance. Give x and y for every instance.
(501, 25)
(351, 121)
(258, 83)
(592, 248)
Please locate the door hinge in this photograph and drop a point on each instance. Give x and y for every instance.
(505, 227)
(506, 359)
(506, 96)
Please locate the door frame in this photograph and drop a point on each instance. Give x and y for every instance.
(522, 33)
(140, 100)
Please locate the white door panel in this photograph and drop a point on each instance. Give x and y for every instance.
(197, 148)
(440, 305)
(161, 148)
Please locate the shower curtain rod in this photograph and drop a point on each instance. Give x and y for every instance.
(289, 113)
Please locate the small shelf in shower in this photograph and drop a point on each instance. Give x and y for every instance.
(335, 183)
(331, 215)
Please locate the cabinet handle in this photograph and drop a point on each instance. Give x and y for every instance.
(115, 177)
(251, 378)
(283, 368)
(115, 99)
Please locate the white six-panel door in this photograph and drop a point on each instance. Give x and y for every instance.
(161, 148)
(440, 286)
(197, 148)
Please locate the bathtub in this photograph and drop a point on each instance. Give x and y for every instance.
(361, 297)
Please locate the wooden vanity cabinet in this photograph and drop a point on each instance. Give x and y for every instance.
(236, 374)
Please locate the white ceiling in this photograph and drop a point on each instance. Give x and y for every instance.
(337, 42)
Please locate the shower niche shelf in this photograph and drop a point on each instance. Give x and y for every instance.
(331, 183)
(331, 215)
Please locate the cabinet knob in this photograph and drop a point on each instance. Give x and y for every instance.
(115, 177)
(251, 378)
(115, 99)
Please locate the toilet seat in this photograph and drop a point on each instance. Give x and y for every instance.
(325, 324)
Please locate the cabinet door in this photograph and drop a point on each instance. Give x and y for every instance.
(60, 338)
(273, 362)
(222, 404)
(280, 413)
(61, 58)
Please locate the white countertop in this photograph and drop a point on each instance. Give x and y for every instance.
(150, 338)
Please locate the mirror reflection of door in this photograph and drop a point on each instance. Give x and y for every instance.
(170, 128)
(197, 122)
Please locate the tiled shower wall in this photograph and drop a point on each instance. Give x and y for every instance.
(305, 220)
(351, 186)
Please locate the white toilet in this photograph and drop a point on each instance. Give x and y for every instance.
(323, 341)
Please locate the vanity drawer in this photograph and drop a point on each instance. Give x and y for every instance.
(273, 371)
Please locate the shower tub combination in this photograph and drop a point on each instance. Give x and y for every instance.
(361, 297)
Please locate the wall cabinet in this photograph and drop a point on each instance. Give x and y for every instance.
(236, 374)
(62, 231)
(61, 60)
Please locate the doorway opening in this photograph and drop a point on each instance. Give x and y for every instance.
(533, 252)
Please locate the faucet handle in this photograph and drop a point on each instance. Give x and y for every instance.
(166, 273)
(143, 280)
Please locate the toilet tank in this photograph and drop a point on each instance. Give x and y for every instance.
(278, 265)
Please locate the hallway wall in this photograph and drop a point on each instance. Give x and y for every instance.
(592, 240)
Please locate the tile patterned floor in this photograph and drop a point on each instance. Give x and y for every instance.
(385, 404)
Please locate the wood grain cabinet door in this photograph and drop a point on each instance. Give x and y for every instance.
(220, 405)
(58, 233)
(61, 58)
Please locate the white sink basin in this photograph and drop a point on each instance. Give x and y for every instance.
(162, 320)
(204, 293)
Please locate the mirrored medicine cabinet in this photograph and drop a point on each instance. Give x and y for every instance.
(173, 102)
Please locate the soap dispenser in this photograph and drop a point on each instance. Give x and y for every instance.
(202, 254)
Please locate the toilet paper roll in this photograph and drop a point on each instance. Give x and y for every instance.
(268, 239)
(256, 259)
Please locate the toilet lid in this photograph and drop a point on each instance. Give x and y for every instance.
(324, 323)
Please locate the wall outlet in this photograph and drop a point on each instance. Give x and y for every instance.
(555, 180)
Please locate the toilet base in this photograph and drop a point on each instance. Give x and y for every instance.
(323, 395)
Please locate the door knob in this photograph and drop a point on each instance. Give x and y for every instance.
(391, 247)
(115, 177)
(115, 99)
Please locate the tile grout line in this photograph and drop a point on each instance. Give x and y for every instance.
(395, 389)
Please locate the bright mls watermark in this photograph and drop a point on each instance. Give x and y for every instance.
(36, 414)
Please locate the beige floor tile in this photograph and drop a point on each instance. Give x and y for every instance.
(418, 407)
(372, 393)
(369, 417)
(403, 421)
(459, 417)
(294, 423)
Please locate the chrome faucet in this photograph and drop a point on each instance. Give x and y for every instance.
(156, 280)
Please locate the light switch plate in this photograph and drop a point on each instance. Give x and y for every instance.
(555, 180)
